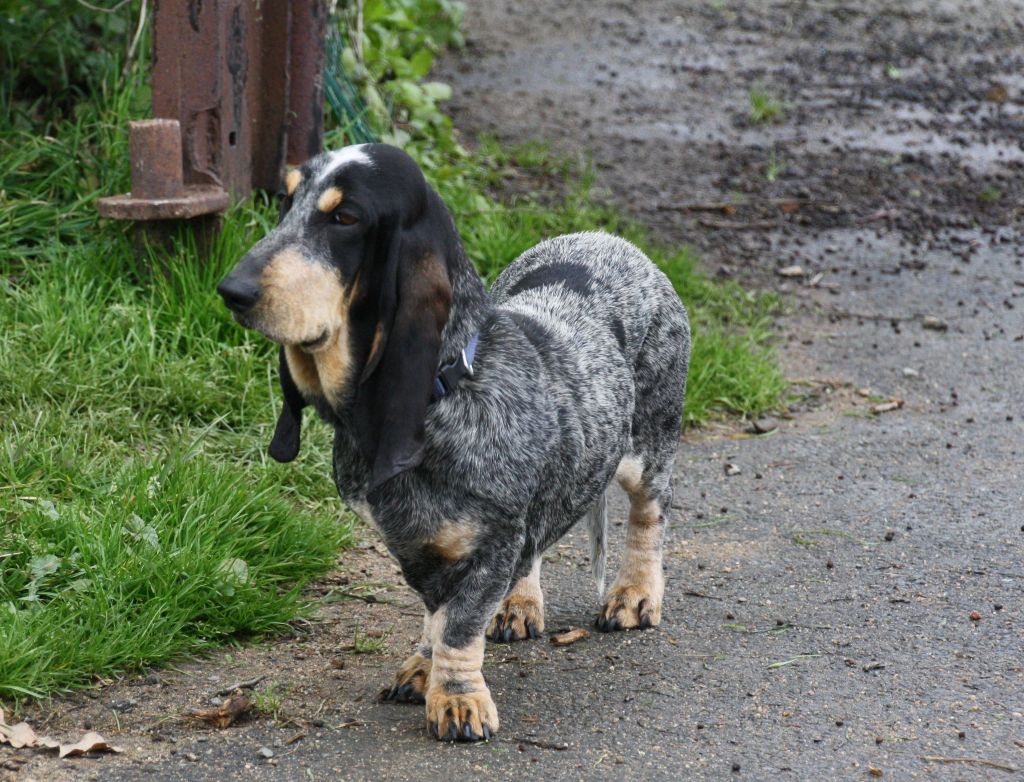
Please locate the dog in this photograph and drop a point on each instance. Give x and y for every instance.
(472, 429)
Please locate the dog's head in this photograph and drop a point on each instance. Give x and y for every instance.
(353, 284)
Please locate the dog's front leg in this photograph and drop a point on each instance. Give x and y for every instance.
(459, 703)
(410, 684)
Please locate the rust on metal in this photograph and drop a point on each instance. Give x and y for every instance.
(306, 97)
(238, 93)
(245, 80)
(154, 147)
(158, 190)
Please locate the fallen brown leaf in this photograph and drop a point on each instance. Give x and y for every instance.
(225, 714)
(90, 742)
(570, 636)
(22, 735)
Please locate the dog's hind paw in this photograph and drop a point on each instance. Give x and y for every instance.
(410, 685)
(470, 716)
(517, 619)
(627, 607)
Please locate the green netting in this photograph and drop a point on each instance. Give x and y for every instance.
(342, 96)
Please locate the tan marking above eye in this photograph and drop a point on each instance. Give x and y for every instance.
(292, 180)
(329, 200)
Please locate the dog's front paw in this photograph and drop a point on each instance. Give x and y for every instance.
(469, 716)
(628, 606)
(410, 685)
(517, 619)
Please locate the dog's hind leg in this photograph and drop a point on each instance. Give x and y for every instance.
(635, 598)
(410, 685)
(521, 614)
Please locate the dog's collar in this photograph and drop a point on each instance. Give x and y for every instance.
(450, 375)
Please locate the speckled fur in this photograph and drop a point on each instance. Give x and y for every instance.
(581, 362)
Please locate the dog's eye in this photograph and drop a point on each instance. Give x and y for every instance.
(344, 219)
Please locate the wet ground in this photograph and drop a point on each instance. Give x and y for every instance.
(850, 604)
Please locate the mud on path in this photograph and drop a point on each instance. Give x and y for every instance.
(819, 609)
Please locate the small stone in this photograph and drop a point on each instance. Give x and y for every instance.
(910, 372)
(932, 323)
(975, 616)
(192, 757)
(763, 425)
(731, 469)
(266, 752)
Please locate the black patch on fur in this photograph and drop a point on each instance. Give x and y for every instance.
(572, 276)
(538, 335)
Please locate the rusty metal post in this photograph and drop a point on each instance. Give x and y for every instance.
(158, 189)
(306, 97)
(242, 83)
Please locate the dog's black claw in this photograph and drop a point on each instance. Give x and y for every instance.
(433, 730)
(531, 630)
(453, 732)
(507, 635)
(487, 733)
(645, 622)
(467, 732)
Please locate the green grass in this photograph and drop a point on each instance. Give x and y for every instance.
(140, 517)
(764, 107)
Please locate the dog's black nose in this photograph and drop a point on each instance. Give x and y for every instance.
(238, 295)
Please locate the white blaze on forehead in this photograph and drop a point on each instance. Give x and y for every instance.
(343, 157)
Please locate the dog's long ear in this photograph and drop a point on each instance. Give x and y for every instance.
(287, 436)
(397, 380)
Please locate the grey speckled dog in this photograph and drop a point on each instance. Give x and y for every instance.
(472, 429)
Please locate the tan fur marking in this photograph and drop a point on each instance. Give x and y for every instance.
(292, 181)
(303, 371)
(523, 605)
(415, 671)
(301, 301)
(329, 200)
(474, 708)
(629, 474)
(454, 540)
(640, 586)
(333, 365)
(378, 336)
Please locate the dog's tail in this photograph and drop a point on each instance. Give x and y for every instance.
(597, 526)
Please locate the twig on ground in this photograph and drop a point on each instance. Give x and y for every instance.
(972, 761)
(243, 685)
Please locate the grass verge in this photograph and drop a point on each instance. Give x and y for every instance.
(139, 515)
